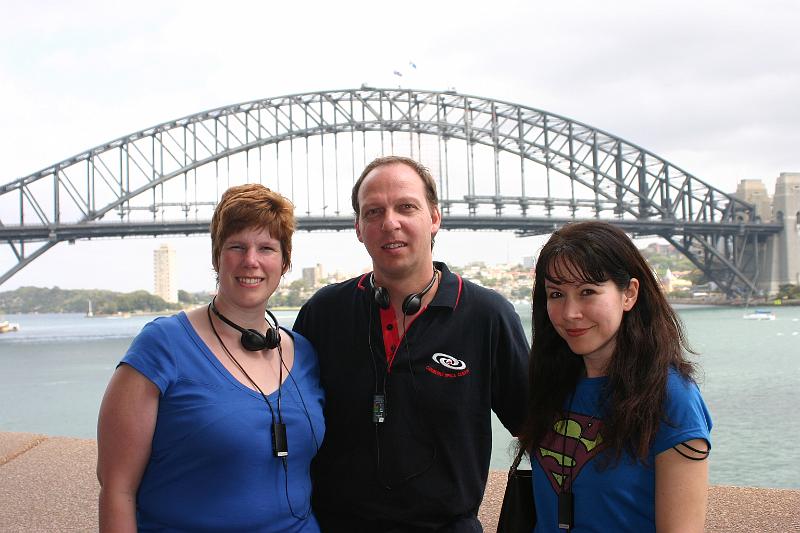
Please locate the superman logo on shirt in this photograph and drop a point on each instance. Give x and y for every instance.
(567, 447)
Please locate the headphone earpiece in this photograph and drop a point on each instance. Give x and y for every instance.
(253, 340)
(411, 303)
(381, 295)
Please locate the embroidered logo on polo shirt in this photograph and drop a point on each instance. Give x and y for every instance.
(453, 367)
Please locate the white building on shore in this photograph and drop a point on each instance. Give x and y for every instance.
(164, 274)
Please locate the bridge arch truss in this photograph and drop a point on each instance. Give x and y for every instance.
(499, 165)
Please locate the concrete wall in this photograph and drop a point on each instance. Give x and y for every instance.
(48, 484)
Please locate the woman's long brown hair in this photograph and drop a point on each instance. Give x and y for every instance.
(649, 342)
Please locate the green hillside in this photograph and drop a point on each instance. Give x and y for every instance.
(55, 300)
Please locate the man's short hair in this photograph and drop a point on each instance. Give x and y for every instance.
(421, 170)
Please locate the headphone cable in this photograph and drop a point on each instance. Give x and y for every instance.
(271, 412)
(232, 358)
(408, 478)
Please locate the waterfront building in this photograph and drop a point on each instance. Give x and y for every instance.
(671, 282)
(164, 274)
(313, 275)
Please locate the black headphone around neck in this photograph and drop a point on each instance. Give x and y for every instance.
(253, 340)
(411, 303)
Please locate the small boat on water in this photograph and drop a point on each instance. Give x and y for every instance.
(8, 327)
(760, 314)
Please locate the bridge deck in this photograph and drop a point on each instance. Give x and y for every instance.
(523, 225)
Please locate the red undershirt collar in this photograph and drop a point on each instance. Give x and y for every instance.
(391, 332)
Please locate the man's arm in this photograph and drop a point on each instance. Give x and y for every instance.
(302, 323)
(510, 369)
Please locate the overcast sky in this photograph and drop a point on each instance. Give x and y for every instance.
(710, 86)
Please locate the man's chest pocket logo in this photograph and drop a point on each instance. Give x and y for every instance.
(447, 366)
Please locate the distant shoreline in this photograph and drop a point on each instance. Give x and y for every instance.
(165, 312)
(687, 302)
(731, 303)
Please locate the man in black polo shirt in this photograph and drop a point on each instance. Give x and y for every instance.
(413, 359)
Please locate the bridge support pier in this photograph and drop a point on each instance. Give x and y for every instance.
(779, 259)
(786, 253)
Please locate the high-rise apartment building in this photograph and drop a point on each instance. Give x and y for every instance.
(312, 275)
(164, 273)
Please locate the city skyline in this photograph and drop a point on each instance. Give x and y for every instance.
(709, 86)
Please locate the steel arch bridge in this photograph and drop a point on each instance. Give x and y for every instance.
(499, 165)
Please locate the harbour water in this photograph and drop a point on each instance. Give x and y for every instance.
(54, 371)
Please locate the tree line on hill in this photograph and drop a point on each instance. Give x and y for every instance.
(102, 302)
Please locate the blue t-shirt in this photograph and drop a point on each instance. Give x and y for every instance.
(211, 467)
(620, 497)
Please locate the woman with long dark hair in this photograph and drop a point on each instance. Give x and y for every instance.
(617, 430)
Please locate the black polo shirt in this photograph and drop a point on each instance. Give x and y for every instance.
(425, 466)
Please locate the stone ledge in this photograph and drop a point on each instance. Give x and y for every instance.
(730, 509)
(49, 484)
(14, 444)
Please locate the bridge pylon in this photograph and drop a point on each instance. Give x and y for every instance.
(785, 247)
(777, 258)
